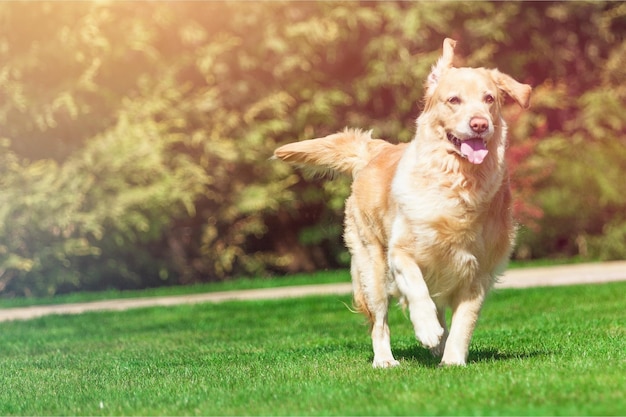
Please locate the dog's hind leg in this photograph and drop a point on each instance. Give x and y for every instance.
(381, 342)
(371, 298)
(369, 282)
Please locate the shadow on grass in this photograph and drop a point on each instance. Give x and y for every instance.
(415, 353)
(494, 355)
(424, 357)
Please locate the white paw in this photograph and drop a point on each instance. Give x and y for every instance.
(438, 350)
(453, 357)
(452, 363)
(430, 333)
(385, 363)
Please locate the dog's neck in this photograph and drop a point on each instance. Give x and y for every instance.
(455, 173)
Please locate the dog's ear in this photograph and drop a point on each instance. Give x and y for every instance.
(441, 66)
(518, 91)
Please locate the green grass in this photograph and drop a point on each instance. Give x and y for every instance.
(544, 351)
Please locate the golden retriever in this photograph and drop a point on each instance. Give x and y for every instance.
(428, 221)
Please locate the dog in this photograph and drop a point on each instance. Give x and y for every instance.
(428, 221)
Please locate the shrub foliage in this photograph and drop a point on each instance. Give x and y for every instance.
(136, 138)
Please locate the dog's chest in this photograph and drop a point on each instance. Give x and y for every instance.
(445, 236)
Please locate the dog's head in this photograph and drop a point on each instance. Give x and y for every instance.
(467, 102)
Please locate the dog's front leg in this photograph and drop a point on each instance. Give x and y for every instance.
(437, 351)
(422, 309)
(465, 310)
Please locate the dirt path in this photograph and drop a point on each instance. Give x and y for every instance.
(596, 273)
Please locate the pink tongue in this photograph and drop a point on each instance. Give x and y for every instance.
(475, 150)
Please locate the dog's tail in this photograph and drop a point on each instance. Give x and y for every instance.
(345, 152)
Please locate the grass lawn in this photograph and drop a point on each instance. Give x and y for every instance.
(543, 351)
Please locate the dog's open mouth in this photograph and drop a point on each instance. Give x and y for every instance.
(474, 149)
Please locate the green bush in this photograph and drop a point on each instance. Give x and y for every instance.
(92, 221)
(138, 138)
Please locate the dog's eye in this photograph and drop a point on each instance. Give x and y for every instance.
(454, 100)
(489, 99)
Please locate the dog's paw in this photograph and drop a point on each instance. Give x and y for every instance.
(428, 330)
(453, 357)
(438, 350)
(445, 364)
(430, 335)
(385, 363)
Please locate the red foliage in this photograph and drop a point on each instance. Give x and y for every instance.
(524, 175)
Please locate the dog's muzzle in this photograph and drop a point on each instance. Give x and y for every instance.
(474, 149)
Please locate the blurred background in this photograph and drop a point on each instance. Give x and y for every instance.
(135, 136)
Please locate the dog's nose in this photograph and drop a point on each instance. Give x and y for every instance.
(479, 124)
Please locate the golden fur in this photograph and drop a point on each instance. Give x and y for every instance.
(429, 221)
